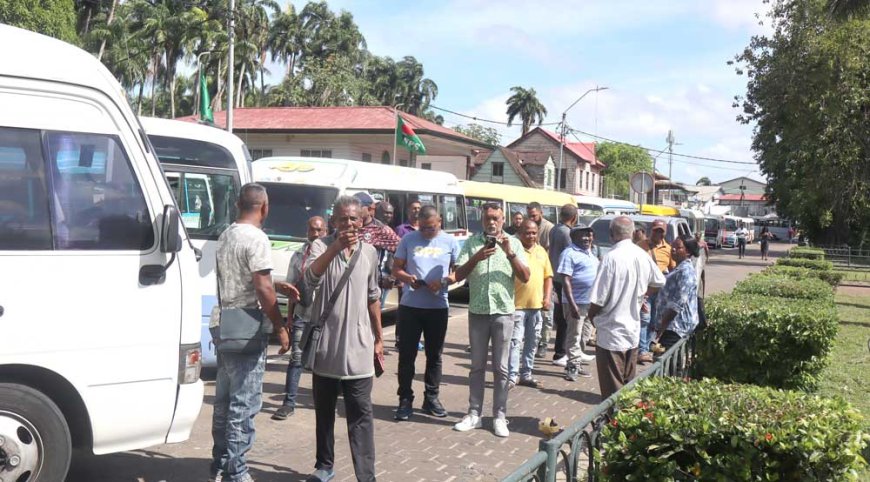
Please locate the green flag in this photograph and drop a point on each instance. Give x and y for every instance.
(407, 138)
(205, 113)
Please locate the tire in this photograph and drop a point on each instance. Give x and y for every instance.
(34, 429)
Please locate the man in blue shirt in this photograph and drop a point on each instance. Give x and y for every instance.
(578, 265)
(423, 262)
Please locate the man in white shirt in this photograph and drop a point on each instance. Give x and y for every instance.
(742, 234)
(626, 274)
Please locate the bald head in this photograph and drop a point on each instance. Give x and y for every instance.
(621, 228)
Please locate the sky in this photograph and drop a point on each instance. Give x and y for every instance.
(663, 63)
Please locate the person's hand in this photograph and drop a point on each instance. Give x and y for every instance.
(289, 290)
(379, 347)
(347, 239)
(484, 253)
(284, 340)
(644, 307)
(387, 282)
(435, 286)
(575, 312)
(505, 242)
(546, 304)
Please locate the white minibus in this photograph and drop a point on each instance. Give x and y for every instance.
(301, 187)
(99, 297)
(591, 207)
(205, 167)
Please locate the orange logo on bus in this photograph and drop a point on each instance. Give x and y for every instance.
(294, 167)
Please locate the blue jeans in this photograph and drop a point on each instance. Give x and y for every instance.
(294, 369)
(526, 332)
(647, 325)
(237, 399)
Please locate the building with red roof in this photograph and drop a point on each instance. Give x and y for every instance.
(581, 170)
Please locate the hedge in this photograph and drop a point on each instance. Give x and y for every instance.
(802, 252)
(782, 286)
(806, 263)
(671, 429)
(833, 278)
(764, 340)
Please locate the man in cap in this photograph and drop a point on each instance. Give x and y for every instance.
(381, 237)
(661, 253)
(578, 266)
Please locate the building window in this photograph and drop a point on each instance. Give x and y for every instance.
(563, 178)
(366, 157)
(426, 165)
(385, 157)
(588, 186)
(403, 162)
(549, 182)
(497, 169)
(316, 153)
(260, 153)
(592, 185)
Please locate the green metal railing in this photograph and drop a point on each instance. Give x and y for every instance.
(572, 450)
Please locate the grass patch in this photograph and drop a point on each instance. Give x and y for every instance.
(858, 275)
(846, 375)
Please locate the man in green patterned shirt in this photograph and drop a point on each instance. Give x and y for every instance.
(490, 261)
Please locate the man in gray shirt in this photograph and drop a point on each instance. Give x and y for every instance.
(244, 261)
(560, 238)
(349, 343)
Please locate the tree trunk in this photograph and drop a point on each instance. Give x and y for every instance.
(153, 84)
(108, 24)
(262, 86)
(139, 101)
(172, 97)
(216, 102)
(239, 90)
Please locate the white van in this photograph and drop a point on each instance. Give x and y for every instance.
(205, 167)
(99, 308)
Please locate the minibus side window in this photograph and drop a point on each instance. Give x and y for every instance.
(450, 210)
(24, 212)
(99, 204)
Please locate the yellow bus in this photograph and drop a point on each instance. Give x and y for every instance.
(512, 198)
(658, 210)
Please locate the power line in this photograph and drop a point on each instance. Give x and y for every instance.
(478, 119)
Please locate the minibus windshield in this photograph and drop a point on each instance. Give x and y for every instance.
(291, 205)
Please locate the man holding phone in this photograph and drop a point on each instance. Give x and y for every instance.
(350, 341)
(423, 261)
(490, 261)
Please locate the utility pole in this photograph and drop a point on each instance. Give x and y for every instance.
(231, 63)
(670, 140)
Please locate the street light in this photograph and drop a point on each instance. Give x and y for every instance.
(564, 129)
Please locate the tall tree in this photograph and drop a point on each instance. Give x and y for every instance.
(807, 96)
(622, 161)
(524, 103)
(55, 18)
(481, 133)
(704, 181)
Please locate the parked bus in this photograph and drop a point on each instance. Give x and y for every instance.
(205, 167)
(658, 210)
(695, 218)
(749, 224)
(591, 207)
(777, 226)
(714, 234)
(729, 225)
(512, 199)
(99, 302)
(301, 187)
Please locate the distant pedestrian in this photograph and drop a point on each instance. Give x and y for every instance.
(490, 260)
(791, 234)
(423, 262)
(765, 236)
(530, 300)
(517, 219)
(410, 224)
(678, 301)
(535, 213)
(350, 340)
(699, 237)
(244, 265)
(626, 274)
(742, 236)
(560, 238)
(300, 312)
(578, 267)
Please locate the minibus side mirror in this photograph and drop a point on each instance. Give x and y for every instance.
(170, 241)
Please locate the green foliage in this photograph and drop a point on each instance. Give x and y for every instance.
(833, 278)
(670, 429)
(758, 339)
(807, 97)
(704, 181)
(481, 133)
(782, 286)
(524, 103)
(806, 253)
(819, 264)
(622, 161)
(55, 18)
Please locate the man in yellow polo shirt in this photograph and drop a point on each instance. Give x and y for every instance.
(529, 298)
(661, 252)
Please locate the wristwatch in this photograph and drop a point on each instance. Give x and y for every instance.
(511, 256)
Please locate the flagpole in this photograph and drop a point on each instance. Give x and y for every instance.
(395, 132)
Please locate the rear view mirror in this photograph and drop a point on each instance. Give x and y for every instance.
(170, 241)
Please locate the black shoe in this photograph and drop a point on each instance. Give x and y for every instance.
(405, 410)
(433, 407)
(283, 412)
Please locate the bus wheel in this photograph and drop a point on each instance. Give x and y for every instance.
(35, 443)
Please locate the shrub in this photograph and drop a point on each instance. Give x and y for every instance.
(805, 263)
(765, 340)
(782, 286)
(670, 429)
(802, 252)
(833, 278)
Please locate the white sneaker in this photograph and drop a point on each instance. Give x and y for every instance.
(561, 362)
(499, 427)
(586, 358)
(468, 422)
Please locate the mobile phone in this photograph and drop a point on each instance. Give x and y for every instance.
(379, 365)
(418, 283)
(490, 242)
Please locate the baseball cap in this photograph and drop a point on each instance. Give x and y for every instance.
(580, 227)
(659, 224)
(365, 199)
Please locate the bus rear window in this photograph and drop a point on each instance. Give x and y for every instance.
(189, 152)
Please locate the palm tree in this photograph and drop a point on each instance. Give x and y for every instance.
(285, 38)
(524, 104)
(704, 181)
(416, 91)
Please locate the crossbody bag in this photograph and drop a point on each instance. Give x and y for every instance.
(240, 330)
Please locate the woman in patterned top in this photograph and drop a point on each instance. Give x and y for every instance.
(677, 304)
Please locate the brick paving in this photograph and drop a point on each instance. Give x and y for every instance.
(422, 449)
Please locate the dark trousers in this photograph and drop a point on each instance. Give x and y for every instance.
(669, 338)
(360, 425)
(615, 369)
(560, 324)
(741, 247)
(431, 323)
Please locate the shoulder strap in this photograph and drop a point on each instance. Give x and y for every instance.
(327, 308)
